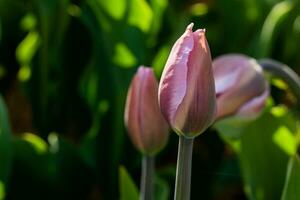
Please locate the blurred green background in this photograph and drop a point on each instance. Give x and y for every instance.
(65, 66)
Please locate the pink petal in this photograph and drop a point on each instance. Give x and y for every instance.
(155, 128)
(253, 108)
(146, 126)
(196, 111)
(243, 81)
(172, 87)
(132, 117)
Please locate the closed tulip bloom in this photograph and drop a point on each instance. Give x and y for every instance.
(146, 126)
(241, 88)
(186, 90)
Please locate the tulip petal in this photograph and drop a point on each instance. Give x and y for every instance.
(155, 128)
(172, 88)
(253, 108)
(226, 82)
(132, 112)
(244, 78)
(146, 126)
(196, 112)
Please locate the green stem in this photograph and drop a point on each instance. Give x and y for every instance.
(184, 168)
(284, 72)
(147, 179)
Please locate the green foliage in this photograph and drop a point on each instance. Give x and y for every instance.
(5, 149)
(263, 147)
(128, 190)
(162, 189)
(291, 190)
(65, 67)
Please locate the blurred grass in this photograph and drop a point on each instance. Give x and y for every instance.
(65, 69)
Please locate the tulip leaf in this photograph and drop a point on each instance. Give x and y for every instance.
(162, 190)
(264, 146)
(27, 48)
(160, 59)
(291, 189)
(140, 15)
(128, 190)
(5, 147)
(258, 154)
(273, 21)
(231, 128)
(2, 191)
(285, 140)
(123, 56)
(37, 143)
(32, 153)
(115, 8)
(158, 7)
(105, 105)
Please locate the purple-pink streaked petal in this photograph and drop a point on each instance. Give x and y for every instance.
(246, 82)
(172, 88)
(132, 117)
(155, 129)
(197, 109)
(146, 126)
(226, 82)
(253, 107)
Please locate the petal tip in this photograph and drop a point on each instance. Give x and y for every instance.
(190, 26)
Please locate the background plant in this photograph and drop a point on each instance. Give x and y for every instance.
(65, 69)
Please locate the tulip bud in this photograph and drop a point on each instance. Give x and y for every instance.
(146, 126)
(241, 88)
(186, 90)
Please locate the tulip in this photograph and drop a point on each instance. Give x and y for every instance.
(187, 98)
(146, 126)
(186, 90)
(241, 88)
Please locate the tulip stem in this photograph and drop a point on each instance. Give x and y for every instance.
(147, 178)
(184, 169)
(284, 72)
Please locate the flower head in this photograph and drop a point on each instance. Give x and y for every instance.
(241, 88)
(146, 126)
(186, 90)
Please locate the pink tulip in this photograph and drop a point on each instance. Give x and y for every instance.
(241, 88)
(186, 90)
(146, 126)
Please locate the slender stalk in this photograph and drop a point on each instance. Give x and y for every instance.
(147, 179)
(284, 72)
(184, 169)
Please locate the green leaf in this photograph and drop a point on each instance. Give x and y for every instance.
(128, 190)
(263, 161)
(32, 152)
(140, 15)
(291, 189)
(272, 23)
(285, 140)
(115, 8)
(27, 48)
(2, 191)
(160, 59)
(263, 147)
(162, 189)
(231, 128)
(158, 8)
(5, 148)
(123, 56)
(37, 143)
